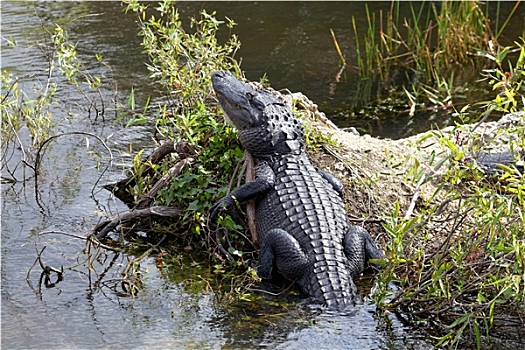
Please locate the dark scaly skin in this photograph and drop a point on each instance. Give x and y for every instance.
(300, 218)
(489, 161)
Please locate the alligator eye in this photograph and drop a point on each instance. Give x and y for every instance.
(249, 96)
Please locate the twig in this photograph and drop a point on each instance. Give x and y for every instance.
(92, 238)
(235, 172)
(38, 254)
(46, 273)
(147, 199)
(39, 156)
(100, 276)
(62, 233)
(420, 183)
(482, 120)
(89, 238)
(221, 247)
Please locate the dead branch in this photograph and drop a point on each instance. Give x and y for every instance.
(62, 233)
(40, 154)
(102, 229)
(38, 254)
(119, 188)
(250, 206)
(45, 275)
(141, 210)
(89, 239)
(148, 198)
(183, 149)
(221, 247)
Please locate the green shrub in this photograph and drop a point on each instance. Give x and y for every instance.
(460, 260)
(182, 62)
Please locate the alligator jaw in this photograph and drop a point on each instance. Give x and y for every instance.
(230, 90)
(234, 97)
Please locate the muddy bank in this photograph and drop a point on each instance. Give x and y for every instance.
(379, 172)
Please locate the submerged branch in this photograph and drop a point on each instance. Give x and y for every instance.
(102, 229)
(40, 154)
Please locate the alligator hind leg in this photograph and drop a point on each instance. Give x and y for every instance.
(282, 250)
(336, 184)
(359, 248)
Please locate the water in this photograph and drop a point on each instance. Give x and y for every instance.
(290, 43)
(280, 39)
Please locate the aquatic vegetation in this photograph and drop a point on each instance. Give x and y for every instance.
(27, 118)
(433, 55)
(21, 112)
(77, 74)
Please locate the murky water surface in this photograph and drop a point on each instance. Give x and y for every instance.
(291, 43)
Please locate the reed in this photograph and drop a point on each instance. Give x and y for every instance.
(435, 47)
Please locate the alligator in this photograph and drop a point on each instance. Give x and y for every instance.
(301, 222)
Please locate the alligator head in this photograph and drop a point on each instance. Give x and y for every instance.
(266, 125)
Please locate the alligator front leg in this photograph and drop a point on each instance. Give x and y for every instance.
(359, 248)
(282, 250)
(264, 181)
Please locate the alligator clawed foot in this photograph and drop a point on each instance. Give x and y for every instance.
(221, 206)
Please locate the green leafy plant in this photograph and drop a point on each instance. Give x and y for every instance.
(23, 111)
(508, 82)
(27, 111)
(182, 62)
(75, 71)
(459, 260)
